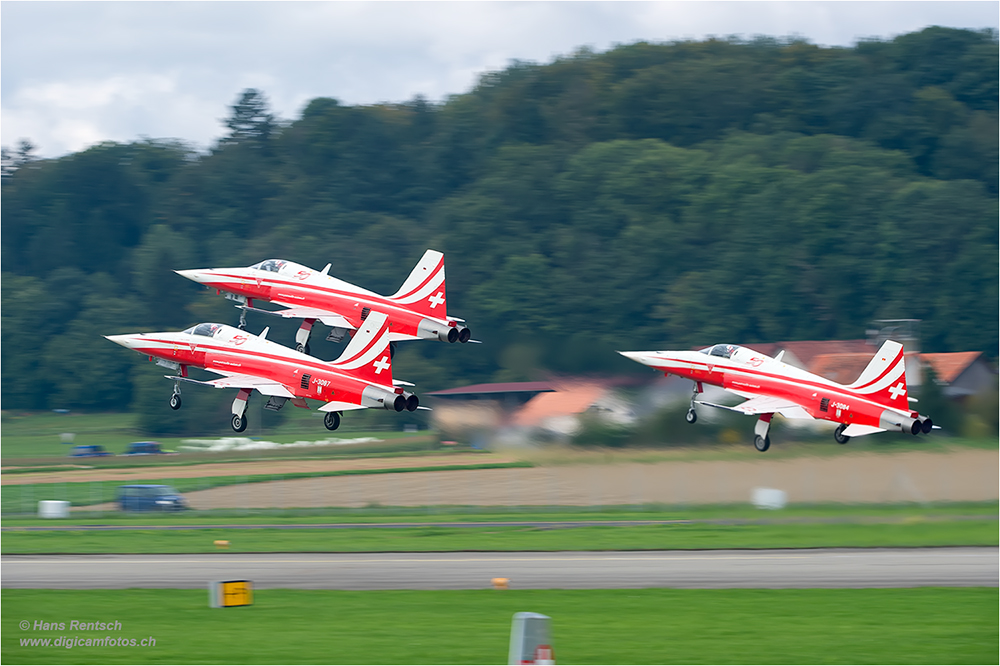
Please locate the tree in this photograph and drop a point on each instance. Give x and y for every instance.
(14, 160)
(251, 118)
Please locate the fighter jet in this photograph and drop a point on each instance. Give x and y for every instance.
(876, 402)
(360, 378)
(417, 311)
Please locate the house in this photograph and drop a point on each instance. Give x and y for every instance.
(481, 407)
(560, 411)
(962, 373)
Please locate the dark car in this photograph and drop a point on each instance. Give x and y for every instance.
(89, 451)
(144, 449)
(150, 497)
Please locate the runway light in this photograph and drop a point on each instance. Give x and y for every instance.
(500, 583)
(222, 544)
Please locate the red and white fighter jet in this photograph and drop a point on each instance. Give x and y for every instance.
(360, 378)
(876, 402)
(417, 311)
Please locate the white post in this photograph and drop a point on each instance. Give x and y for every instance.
(530, 640)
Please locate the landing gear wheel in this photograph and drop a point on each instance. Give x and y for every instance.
(839, 435)
(303, 348)
(239, 422)
(175, 401)
(691, 416)
(761, 443)
(392, 350)
(332, 420)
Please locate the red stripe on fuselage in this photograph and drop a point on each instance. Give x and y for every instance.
(374, 301)
(785, 387)
(267, 366)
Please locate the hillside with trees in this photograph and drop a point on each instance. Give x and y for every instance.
(656, 195)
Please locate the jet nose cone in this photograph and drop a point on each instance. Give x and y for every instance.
(197, 275)
(128, 341)
(635, 356)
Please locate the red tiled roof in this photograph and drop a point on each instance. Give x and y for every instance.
(948, 367)
(504, 387)
(567, 400)
(807, 350)
(840, 368)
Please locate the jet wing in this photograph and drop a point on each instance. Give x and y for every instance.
(855, 430)
(264, 386)
(335, 406)
(763, 404)
(300, 312)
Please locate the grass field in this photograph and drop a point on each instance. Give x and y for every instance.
(435, 538)
(34, 438)
(819, 513)
(652, 626)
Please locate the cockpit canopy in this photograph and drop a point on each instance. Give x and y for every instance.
(724, 351)
(280, 266)
(208, 330)
(272, 265)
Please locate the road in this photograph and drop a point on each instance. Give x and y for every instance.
(825, 568)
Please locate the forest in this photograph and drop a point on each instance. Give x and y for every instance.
(657, 195)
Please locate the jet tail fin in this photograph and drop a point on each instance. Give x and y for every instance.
(884, 379)
(423, 290)
(367, 356)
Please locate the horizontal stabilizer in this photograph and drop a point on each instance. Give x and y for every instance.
(857, 430)
(400, 382)
(335, 406)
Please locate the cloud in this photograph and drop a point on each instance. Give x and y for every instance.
(77, 73)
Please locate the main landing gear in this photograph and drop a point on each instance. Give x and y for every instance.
(761, 440)
(240, 410)
(332, 420)
(302, 336)
(839, 435)
(239, 422)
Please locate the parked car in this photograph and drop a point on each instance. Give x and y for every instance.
(89, 451)
(150, 497)
(144, 449)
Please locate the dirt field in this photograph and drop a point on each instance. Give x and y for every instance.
(962, 475)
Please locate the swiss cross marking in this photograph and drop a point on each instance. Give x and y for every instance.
(896, 390)
(381, 364)
(437, 299)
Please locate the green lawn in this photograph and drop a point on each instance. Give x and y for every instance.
(651, 626)
(511, 538)
(34, 438)
(829, 512)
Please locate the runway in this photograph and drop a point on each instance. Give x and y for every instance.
(809, 568)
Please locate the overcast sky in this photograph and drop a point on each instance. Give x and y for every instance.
(76, 73)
